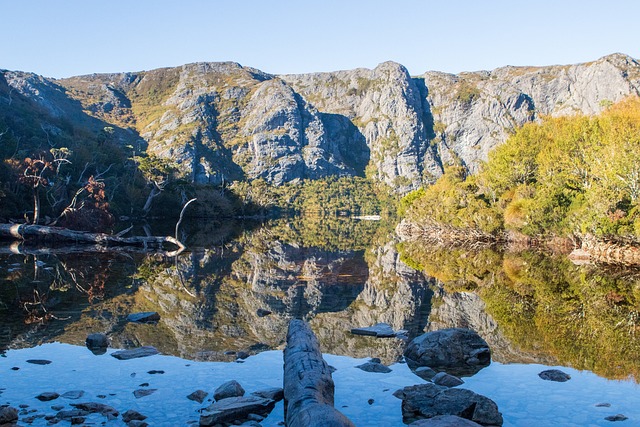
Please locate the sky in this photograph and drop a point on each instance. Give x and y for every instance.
(62, 38)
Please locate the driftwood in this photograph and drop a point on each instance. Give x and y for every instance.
(308, 386)
(58, 234)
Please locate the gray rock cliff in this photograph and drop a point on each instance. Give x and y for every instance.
(221, 121)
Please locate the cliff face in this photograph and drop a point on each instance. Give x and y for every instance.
(223, 121)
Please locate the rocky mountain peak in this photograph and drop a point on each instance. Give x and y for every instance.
(223, 121)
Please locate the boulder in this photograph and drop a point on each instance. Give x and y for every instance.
(374, 367)
(457, 351)
(261, 312)
(554, 375)
(144, 317)
(430, 400)
(446, 380)
(135, 353)
(8, 415)
(198, 396)
(229, 389)
(444, 421)
(233, 409)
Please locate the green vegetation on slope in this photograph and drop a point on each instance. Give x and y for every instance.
(565, 176)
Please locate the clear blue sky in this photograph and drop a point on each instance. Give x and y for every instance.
(61, 38)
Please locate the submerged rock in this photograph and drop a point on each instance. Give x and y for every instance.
(554, 375)
(457, 351)
(446, 380)
(135, 353)
(97, 408)
(132, 415)
(445, 421)
(144, 392)
(198, 396)
(374, 367)
(234, 409)
(73, 394)
(429, 400)
(229, 389)
(144, 317)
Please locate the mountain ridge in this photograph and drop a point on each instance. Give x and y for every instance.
(222, 121)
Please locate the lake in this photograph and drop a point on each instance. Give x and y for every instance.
(235, 288)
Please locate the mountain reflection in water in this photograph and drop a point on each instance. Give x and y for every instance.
(335, 273)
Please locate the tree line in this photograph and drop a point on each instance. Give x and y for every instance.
(564, 176)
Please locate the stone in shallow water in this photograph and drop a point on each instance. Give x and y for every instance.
(198, 396)
(144, 392)
(446, 380)
(229, 389)
(429, 400)
(135, 353)
(47, 396)
(374, 367)
(145, 317)
(379, 330)
(554, 375)
(603, 405)
(618, 417)
(131, 415)
(8, 415)
(425, 372)
(39, 361)
(235, 409)
(97, 408)
(74, 394)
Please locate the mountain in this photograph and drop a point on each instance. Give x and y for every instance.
(218, 122)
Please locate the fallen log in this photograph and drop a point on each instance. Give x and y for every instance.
(308, 386)
(59, 234)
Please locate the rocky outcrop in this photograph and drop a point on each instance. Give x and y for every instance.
(222, 121)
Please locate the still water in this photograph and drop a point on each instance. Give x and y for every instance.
(533, 309)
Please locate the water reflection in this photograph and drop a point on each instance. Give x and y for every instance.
(533, 307)
(338, 274)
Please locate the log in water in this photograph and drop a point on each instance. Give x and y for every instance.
(308, 386)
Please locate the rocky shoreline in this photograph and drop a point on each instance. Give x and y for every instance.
(436, 398)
